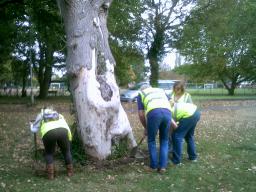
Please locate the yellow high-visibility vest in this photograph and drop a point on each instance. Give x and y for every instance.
(153, 98)
(183, 110)
(50, 125)
(183, 99)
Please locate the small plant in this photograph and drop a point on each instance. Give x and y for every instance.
(78, 152)
(119, 148)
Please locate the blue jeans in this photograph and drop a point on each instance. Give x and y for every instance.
(158, 119)
(185, 130)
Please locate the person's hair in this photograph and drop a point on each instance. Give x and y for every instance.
(179, 85)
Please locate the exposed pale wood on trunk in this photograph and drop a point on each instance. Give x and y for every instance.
(90, 65)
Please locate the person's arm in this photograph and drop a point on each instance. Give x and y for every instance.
(142, 118)
(34, 126)
(174, 125)
(141, 114)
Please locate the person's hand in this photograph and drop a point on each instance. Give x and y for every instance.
(32, 128)
(176, 125)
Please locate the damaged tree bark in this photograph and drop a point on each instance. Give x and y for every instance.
(90, 66)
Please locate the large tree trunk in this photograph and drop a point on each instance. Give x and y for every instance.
(90, 66)
(45, 83)
(230, 85)
(154, 54)
(24, 80)
(45, 69)
(154, 69)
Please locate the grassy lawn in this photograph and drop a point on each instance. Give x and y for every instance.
(226, 145)
(222, 91)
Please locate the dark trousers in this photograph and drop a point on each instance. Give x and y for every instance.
(185, 130)
(59, 136)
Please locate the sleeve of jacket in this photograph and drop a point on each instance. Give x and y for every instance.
(34, 127)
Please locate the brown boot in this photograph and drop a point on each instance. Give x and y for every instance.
(70, 170)
(50, 171)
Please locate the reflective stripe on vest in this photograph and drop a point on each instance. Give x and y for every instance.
(153, 98)
(183, 110)
(61, 123)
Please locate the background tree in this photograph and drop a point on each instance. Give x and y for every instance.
(218, 41)
(124, 24)
(48, 29)
(90, 66)
(31, 31)
(128, 60)
(161, 18)
(22, 52)
(10, 13)
(6, 73)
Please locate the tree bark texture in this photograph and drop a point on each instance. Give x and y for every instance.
(90, 66)
(45, 69)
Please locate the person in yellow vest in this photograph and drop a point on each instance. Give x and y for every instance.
(179, 95)
(54, 129)
(186, 116)
(155, 115)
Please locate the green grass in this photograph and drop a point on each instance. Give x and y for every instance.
(223, 97)
(14, 100)
(27, 100)
(223, 92)
(225, 144)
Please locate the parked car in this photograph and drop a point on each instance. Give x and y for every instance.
(166, 85)
(131, 94)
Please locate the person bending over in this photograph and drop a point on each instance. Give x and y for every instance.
(155, 115)
(54, 130)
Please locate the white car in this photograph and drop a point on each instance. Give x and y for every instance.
(130, 95)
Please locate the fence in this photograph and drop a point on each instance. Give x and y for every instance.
(10, 91)
(218, 89)
(210, 89)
